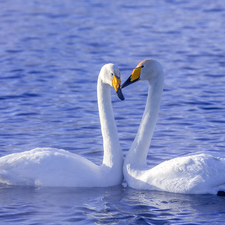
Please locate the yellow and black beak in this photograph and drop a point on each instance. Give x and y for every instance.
(134, 77)
(116, 83)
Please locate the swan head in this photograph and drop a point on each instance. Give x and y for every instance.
(110, 74)
(147, 69)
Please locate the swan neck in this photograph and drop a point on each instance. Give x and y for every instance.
(139, 149)
(112, 150)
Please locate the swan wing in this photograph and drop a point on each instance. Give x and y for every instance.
(193, 174)
(48, 167)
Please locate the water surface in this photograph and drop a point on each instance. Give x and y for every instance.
(51, 54)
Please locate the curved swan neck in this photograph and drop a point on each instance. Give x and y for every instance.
(112, 150)
(139, 148)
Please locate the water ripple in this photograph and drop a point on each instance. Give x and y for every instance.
(51, 54)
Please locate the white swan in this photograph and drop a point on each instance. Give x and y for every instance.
(55, 167)
(193, 174)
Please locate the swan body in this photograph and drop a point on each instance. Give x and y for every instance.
(198, 173)
(56, 167)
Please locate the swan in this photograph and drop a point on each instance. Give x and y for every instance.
(57, 167)
(198, 173)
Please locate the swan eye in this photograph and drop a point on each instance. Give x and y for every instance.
(139, 67)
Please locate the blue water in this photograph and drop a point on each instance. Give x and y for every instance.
(50, 56)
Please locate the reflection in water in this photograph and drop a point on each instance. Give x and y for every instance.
(117, 204)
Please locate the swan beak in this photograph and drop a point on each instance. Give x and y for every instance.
(134, 77)
(116, 84)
